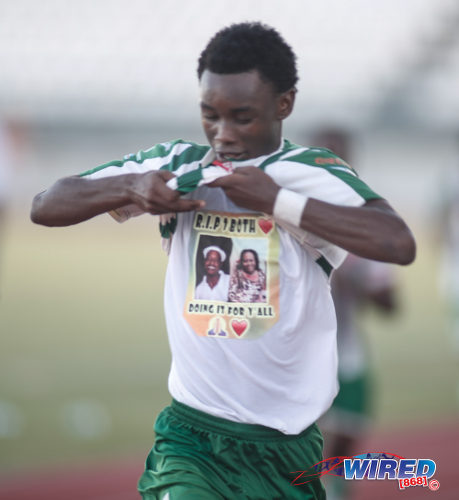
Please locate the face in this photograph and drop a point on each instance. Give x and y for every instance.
(212, 263)
(242, 114)
(248, 262)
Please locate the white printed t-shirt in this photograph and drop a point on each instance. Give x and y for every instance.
(272, 363)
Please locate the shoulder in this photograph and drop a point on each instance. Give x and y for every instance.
(166, 155)
(314, 157)
(173, 153)
(319, 173)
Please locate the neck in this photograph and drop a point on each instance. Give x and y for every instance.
(213, 280)
(276, 144)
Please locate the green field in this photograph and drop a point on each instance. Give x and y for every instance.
(84, 356)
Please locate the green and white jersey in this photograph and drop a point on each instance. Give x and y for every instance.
(272, 361)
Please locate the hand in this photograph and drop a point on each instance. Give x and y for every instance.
(249, 187)
(150, 193)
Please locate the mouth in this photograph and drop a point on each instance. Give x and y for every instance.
(230, 155)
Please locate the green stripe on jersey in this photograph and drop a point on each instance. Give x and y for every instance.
(189, 181)
(168, 229)
(288, 146)
(356, 184)
(114, 163)
(192, 154)
(195, 152)
(334, 165)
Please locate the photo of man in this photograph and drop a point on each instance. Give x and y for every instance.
(215, 281)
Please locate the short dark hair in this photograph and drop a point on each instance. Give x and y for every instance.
(251, 46)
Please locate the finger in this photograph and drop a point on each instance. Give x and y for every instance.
(165, 174)
(246, 170)
(188, 205)
(225, 181)
(215, 184)
(164, 192)
(238, 176)
(179, 206)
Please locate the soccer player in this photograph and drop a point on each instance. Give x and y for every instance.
(356, 285)
(245, 402)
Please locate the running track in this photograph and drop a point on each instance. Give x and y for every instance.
(117, 481)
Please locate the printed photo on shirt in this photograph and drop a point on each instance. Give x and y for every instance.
(248, 272)
(212, 268)
(233, 287)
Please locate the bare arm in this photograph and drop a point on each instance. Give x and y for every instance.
(374, 230)
(75, 199)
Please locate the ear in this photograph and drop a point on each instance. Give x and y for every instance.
(285, 104)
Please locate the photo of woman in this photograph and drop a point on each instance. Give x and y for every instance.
(248, 281)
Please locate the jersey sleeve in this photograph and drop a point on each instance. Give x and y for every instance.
(175, 156)
(319, 173)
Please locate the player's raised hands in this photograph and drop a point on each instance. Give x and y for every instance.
(150, 193)
(249, 187)
(75, 199)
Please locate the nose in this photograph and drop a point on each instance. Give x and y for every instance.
(225, 133)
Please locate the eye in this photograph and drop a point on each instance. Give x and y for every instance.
(243, 120)
(209, 117)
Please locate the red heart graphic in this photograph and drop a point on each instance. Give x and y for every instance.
(265, 225)
(239, 326)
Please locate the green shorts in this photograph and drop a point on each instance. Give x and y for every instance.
(350, 414)
(200, 457)
(354, 395)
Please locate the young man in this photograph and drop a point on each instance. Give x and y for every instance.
(245, 401)
(215, 283)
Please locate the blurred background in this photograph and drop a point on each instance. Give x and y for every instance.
(84, 356)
